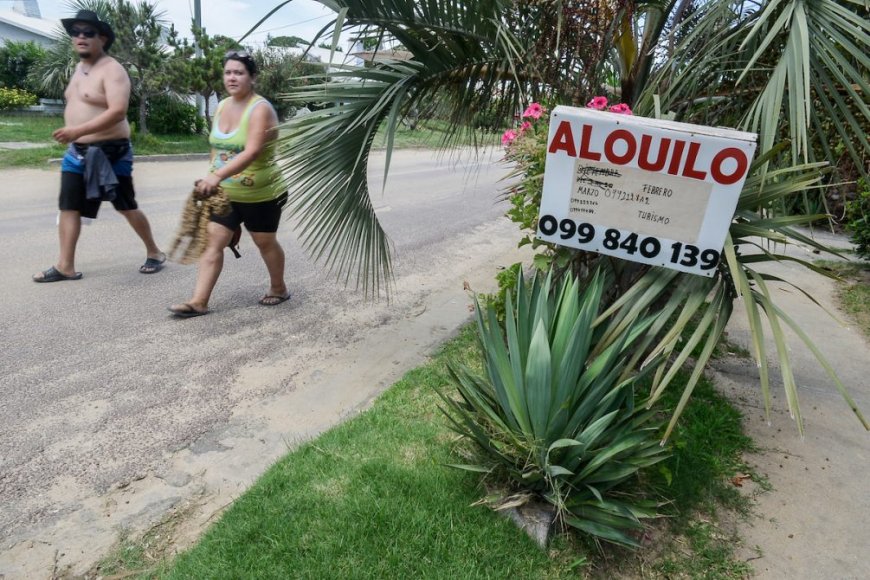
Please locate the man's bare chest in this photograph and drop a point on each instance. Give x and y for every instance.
(87, 89)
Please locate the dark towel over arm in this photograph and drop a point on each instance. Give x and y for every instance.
(100, 179)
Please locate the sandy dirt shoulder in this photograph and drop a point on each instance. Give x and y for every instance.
(813, 523)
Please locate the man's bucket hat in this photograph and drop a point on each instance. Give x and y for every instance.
(90, 17)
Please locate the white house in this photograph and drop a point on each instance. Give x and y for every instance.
(25, 22)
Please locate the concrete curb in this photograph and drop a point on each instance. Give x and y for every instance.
(170, 157)
(156, 158)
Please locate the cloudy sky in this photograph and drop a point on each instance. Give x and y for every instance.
(231, 18)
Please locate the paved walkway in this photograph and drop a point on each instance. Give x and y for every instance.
(813, 524)
(21, 145)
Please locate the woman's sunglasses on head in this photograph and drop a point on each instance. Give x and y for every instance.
(75, 32)
(240, 54)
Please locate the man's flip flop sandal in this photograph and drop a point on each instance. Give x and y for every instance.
(152, 265)
(54, 275)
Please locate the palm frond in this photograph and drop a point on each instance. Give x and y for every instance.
(791, 66)
(746, 248)
(462, 59)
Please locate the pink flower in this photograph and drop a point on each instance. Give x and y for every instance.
(535, 110)
(621, 109)
(525, 127)
(508, 137)
(598, 103)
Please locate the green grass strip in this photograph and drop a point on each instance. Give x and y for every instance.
(369, 499)
(38, 129)
(373, 498)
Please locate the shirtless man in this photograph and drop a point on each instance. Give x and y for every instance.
(95, 116)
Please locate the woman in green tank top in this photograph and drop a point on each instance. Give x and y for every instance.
(243, 132)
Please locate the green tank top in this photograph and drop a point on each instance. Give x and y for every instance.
(260, 180)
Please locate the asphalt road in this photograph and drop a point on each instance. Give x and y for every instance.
(102, 392)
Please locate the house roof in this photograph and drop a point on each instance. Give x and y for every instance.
(39, 26)
(382, 55)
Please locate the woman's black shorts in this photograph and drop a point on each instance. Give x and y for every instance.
(263, 216)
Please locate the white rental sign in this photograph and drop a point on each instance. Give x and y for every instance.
(650, 191)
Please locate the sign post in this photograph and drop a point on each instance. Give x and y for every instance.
(650, 191)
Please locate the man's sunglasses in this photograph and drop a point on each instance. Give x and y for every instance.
(239, 54)
(86, 32)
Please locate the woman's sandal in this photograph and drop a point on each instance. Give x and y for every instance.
(272, 300)
(187, 311)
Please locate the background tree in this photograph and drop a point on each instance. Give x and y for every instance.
(571, 60)
(140, 29)
(201, 75)
(287, 41)
(280, 72)
(51, 75)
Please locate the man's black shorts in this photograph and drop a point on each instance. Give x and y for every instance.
(262, 217)
(73, 194)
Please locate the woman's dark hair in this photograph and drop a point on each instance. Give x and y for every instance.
(243, 57)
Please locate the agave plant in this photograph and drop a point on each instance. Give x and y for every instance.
(555, 413)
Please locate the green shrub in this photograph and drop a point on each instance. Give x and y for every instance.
(489, 120)
(554, 417)
(507, 281)
(18, 59)
(15, 99)
(170, 116)
(858, 215)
